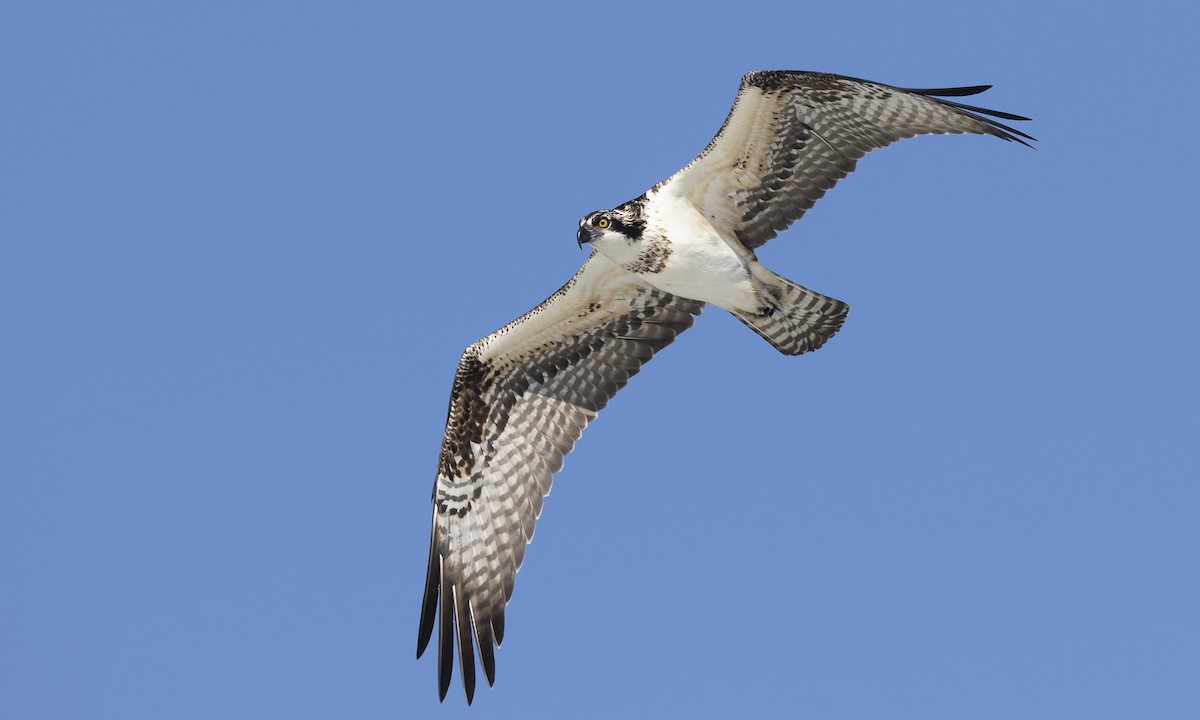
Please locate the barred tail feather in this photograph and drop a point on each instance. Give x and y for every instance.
(803, 322)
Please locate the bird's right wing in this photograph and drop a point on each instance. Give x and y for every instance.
(521, 398)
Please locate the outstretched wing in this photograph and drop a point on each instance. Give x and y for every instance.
(520, 400)
(792, 135)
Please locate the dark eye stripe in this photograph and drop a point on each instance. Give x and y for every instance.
(632, 230)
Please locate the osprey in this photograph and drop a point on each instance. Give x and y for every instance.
(522, 395)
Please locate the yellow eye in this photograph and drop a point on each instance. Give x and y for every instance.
(602, 223)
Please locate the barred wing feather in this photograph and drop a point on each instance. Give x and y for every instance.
(521, 398)
(792, 135)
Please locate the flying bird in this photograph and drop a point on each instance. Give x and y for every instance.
(522, 396)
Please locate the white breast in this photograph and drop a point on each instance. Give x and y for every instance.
(701, 265)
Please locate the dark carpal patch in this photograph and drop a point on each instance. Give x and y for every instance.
(467, 415)
(773, 80)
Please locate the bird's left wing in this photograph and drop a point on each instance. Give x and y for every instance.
(521, 398)
(792, 135)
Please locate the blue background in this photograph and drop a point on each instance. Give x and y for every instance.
(243, 244)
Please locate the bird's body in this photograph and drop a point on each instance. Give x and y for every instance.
(680, 252)
(522, 396)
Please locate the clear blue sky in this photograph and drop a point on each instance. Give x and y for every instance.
(243, 244)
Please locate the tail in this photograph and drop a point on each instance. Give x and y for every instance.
(802, 320)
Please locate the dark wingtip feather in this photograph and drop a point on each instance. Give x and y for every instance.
(982, 110)
(466, 652)
(979, 113)
(498, 627)
(950, 92)
(445, 640)
(487, 655)
(428, 603)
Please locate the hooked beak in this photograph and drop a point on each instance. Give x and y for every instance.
(583, 236)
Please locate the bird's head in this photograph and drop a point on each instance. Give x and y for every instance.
(617, 232)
